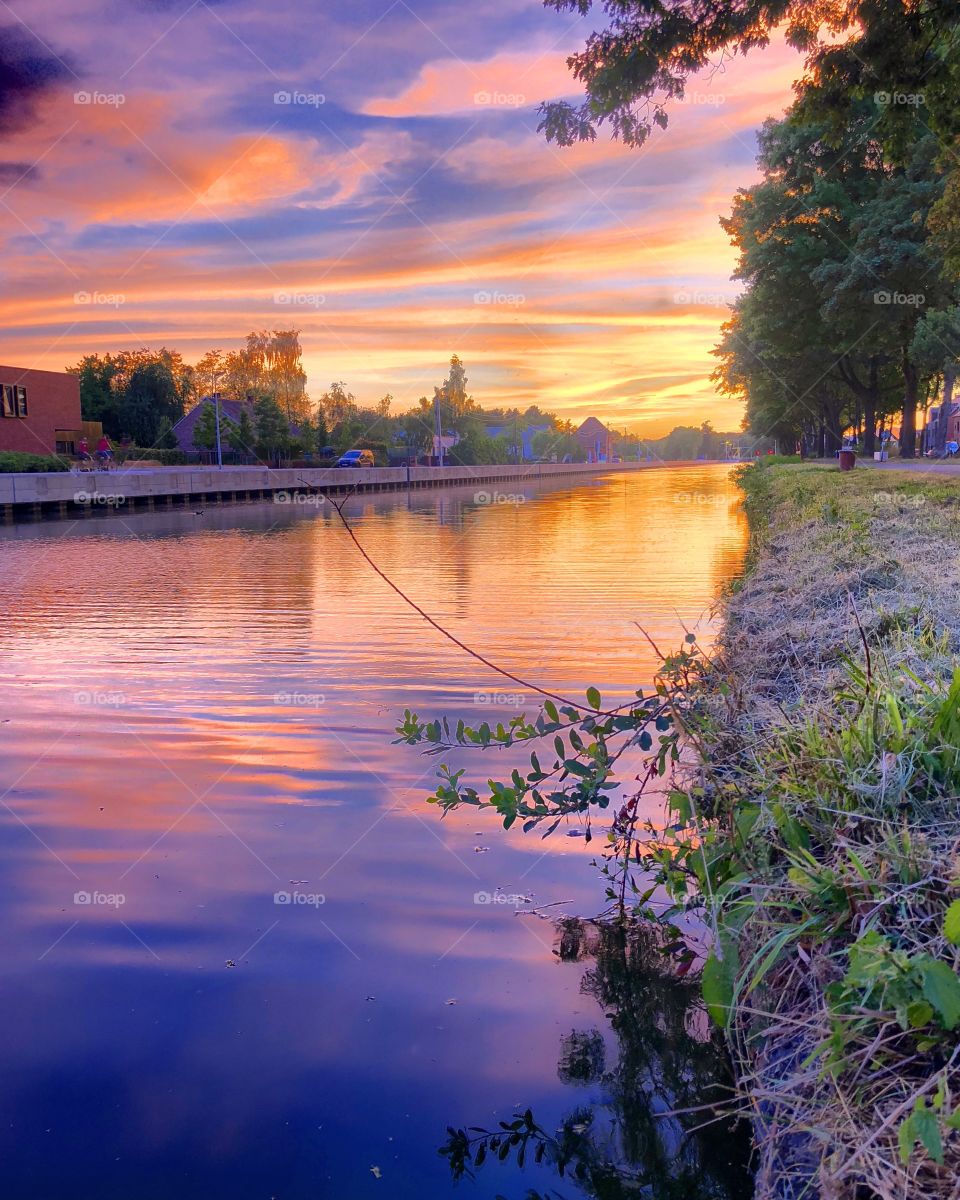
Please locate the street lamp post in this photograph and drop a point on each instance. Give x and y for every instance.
(216, 405)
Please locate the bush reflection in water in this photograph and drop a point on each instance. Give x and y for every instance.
(666, 1058)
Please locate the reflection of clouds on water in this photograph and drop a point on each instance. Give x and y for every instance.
(202, 773)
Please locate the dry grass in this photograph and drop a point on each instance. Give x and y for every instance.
(826, 543)
(845, 627)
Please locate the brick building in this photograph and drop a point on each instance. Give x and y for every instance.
(596, 440)
(39, 411)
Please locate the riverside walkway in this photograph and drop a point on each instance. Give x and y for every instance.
(63, 494)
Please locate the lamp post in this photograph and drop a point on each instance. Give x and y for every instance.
(216, 405)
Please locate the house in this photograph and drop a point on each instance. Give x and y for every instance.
(930, 430)
(596, 440)
(509, 432)
(230, 410)
(39, 411)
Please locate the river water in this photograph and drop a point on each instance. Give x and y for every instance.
(242, 957)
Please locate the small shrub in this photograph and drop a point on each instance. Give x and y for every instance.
(15, 460)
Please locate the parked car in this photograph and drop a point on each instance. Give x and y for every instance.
(356, 458)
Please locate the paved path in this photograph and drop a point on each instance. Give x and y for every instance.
(935, 466)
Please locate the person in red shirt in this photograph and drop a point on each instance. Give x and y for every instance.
(104, 449)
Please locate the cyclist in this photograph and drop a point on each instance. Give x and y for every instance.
(104, 451)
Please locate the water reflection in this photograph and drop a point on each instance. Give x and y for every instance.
(657, 1056)
(197, 713)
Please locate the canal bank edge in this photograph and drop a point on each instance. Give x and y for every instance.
(75, 494)
(828, 727)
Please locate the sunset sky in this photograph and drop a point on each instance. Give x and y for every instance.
(178, 173)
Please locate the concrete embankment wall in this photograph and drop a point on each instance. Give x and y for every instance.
(74, 494)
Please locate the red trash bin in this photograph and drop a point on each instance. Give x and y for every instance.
(848, 460)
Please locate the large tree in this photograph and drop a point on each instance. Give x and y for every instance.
(646, 51)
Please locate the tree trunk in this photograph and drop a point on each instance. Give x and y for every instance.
(832, 434)
(908, 427)
(870, 411)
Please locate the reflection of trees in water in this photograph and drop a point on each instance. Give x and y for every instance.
(667, 1059)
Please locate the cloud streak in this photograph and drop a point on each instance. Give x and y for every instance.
(401, 178)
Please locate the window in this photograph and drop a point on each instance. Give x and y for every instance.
(13, 400)
(64, 447)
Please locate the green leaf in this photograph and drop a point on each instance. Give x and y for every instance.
(680, 804)
(919, 1013)
(927, 1129)
(951, 924)
(942, 988)
(593, 697)
(717, 982)
(551, 710)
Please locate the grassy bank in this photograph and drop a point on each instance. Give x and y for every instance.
(824, 808)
